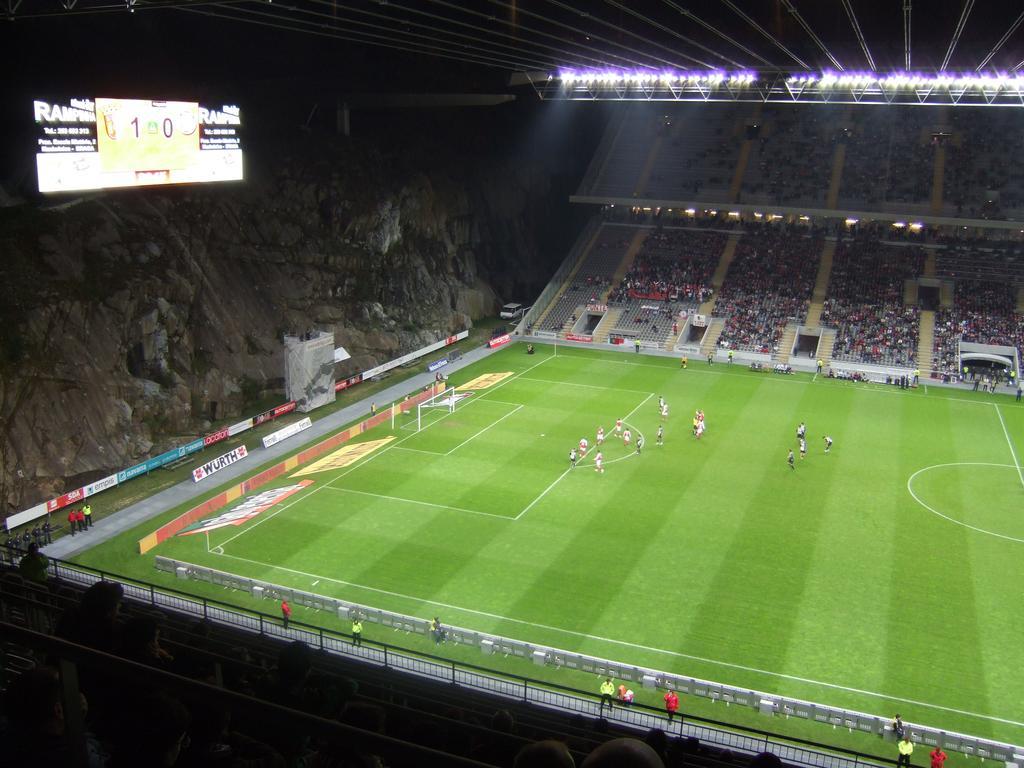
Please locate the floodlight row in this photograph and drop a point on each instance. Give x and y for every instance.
(993, 81)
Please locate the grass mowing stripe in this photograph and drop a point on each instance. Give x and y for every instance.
(366, 460)
(489, 426)
(624, 643)
(421, 503)
(1009, 442)
(670, 517)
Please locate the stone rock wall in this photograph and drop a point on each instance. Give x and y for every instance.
(132, 318)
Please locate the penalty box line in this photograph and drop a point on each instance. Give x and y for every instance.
(561, 476)
(356, 466)
(1009, 442)
(627, 644)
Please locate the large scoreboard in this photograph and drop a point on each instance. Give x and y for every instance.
(105, 143)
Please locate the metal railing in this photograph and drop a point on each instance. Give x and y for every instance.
(525, 689)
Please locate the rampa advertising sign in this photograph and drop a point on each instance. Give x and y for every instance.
(245, 511)
(216, 465)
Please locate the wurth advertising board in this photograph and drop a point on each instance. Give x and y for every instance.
(216, 465)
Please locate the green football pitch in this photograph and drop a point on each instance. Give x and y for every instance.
(883, 576)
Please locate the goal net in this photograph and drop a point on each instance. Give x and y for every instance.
(446, 399)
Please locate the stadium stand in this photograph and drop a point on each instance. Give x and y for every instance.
(769, 283)
(982, 312)
(166, 689)
(593, 279)
(999, 262)
(698, 155)
(671, 274)
(618, 165)
(865, 303)
(791, 160)
(888, 161)
(979, 182)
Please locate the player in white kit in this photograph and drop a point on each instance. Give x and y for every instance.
(598, 461)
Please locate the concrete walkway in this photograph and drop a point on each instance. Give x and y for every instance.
(105, 529)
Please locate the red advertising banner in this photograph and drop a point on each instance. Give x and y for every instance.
(216, 437)
(281, 410)
(273, 413)
(71, 497)
(497, 341)
(578, 337)
(221, 500)
(351, 381)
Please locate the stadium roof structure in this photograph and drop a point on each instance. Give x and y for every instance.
(954, 52)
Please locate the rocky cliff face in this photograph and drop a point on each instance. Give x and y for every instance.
(129, 319)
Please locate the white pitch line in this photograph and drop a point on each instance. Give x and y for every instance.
(493, 423)
(559, 478)
(777, 379)
(421, 503)
(364, 461)
(543, 494)
(418, 450)
(585, 386)
(638, 646)
(1009, 442)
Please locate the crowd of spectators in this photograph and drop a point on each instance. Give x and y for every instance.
(984, 313)
(673, 265)
(769, 283)
(865, 303)
(979, 182)
(792, 156)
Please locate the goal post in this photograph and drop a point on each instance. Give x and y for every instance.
(446, 398)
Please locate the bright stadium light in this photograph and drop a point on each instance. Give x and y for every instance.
(823, 87)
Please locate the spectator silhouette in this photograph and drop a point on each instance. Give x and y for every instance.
(544, 754)
(623, 753)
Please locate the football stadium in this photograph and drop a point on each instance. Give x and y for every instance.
(670, 416)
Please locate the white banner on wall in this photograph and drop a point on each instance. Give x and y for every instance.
(283, 434)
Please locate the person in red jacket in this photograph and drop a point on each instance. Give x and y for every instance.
(671, 704)
(71, 521)
(80, 520)
(938, 757)
(286, 613)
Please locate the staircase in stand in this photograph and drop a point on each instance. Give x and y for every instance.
(929, 264)
(946, 294)
(710, 341)
(911, 290)
(603, 329)
(926, 342)
(786, 344)
(821, 285)
(826, 342)
(708, 307)
(1020, 299)
(627, 261)
(736, 186)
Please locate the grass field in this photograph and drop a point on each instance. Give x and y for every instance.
(883, 577)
